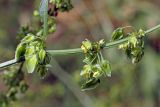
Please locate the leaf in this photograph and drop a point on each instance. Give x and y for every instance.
(28, 38)
(43, 11)
(31, 59)
(31, 63)
(90, 84)
(42, 55)
(106, 68)
(86, 71)
(117, 34)
(42, 70)
(20, 51)
(133, 40)
(86, 45)
(47, 59)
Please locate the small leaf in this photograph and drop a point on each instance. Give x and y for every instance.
(106, 68)
(133, 40)
(90, 84)
(23, 87)
(31, 59)
(31, 63)
(141, 33)
(28, 38)
(52, 29)
(47, 59)
(30, 50)
(42, 55)
(86, 71)
(97, 71)
(42, 70)
(86, 45)
(20, 51)
(117, 34)
(96, 74)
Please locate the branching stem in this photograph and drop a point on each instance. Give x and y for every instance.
(78, 50)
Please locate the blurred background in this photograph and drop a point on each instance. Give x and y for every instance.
(131, 85)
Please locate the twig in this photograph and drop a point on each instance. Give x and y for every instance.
(78, 50)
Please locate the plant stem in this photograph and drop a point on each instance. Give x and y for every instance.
(8, 63)
(78, 50)
(152, 29)
(65, 52)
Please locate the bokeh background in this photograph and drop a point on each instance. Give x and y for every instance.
(131, 85)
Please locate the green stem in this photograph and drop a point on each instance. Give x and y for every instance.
(78, 50)
(8, 63)
(65, 52)
(152, 29)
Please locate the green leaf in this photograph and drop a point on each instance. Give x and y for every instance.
(23, 87)
(20, 51)
(42, 70)
(141, 33)
(52, 29)
(31, 59)
(106, 68)
(133, 40)
(47, 59)
(86, 71)
(86, 45)
(97, 70)
(90, 84)
(42, 55)
(28, 38)
(117, 34)
(31, 63)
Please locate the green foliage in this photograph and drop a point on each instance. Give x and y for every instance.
(95, 65)
(62, 5)
(117, 34)
(14, 79)
(134, 48)
(32, 48)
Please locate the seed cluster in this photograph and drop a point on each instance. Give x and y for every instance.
(59, 5)
(32, 48)
(134, 47)
(95, 65)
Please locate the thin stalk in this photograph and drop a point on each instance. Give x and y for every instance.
(152, 29)
(8, 63)
(65, 52)
(79, 50)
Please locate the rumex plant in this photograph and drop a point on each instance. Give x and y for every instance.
(32, 52)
